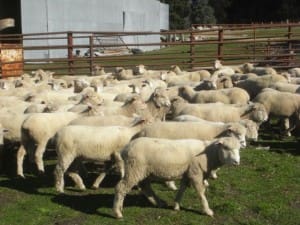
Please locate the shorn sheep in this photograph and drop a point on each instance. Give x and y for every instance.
(92, 143)
(192, 160)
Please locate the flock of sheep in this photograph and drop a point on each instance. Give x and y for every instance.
(148, 124)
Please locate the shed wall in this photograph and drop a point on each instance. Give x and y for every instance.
(92, 15)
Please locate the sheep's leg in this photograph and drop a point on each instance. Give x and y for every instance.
(99, 180)
(20, 159)
(125, 185)
(149, 193)
(179, 195)
(39, 156)
(77, 180)
(119, 163)
(122, 188)
(61, 167)
(171, 185)
(199, 185)
(213, 173)
(74, 175)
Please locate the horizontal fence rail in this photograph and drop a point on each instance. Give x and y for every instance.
(73, 52)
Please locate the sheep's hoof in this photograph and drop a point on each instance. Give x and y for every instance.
(21, 176)
(118, 215)
(94, 187)
(209, 212)
(177, 207)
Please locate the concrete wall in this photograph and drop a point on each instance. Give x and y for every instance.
(92, 15)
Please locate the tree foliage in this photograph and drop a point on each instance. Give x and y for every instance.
(185, 12)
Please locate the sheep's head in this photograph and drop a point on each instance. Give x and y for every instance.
(252, 129)
(207, 84)
(92, 98)
(160, 98)
(247, 67)
(228, 150)
(217, 64)
(224, 82)
(256, 112)
(176, 69)
(237, 130)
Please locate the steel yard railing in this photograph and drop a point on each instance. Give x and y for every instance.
(73, 52)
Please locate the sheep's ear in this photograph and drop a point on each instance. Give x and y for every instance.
(4, 130)
(219, 142)
(163, 76)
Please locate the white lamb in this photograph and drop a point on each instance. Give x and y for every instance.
(193, 160)
(93, 143)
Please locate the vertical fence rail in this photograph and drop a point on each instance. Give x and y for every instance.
(192, 50)
(70, 52)
(220, 44)
(91, 52)
(254, 44)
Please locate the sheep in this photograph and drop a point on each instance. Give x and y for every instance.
(286, 87)
(93, 143)
(2, 132)
(36, 132)
(206, 84)
(295, 72)
(202, 130)
(172, 79)
(190, 159)
(157, 106)
(250, 68)
(251, 127)
(284, 105)
(219, 112)
(201, 74)
(221, 70)
(254, 85)
(228, 96)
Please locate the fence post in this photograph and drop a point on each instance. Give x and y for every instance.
(254, 43)
(192, 49)
(91, 53)
(290, 46)
(220, 43)
(70, 52)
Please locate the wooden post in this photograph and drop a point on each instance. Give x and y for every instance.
(70, 52)
(220, 44)
(192, 49)
(91, 53)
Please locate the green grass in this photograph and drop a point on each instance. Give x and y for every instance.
(264, 189)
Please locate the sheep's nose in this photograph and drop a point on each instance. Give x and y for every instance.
(243, 144)
(236, 162)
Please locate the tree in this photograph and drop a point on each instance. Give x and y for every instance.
(179, 13)
(202, 12)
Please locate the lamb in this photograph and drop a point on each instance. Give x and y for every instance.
(93, 143)
(250, 68)
(219, 112)
(157, 106)
(254, 85)
(190, 159)
(227, 96)
(286, 87)
(201, 130)
(202, 74)
(284, 105)
(221, 70)
(251, 127)
(2, 132)
(295, 72)
(37, 131)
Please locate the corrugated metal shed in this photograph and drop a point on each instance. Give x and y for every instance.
(91, 15)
